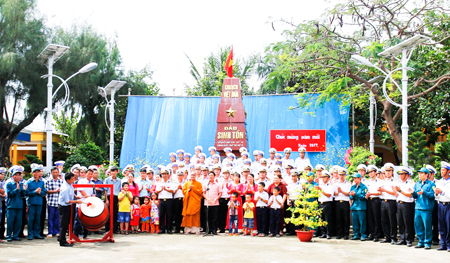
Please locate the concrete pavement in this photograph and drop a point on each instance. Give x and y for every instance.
(222, 248)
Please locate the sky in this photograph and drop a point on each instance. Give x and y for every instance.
(161, 33)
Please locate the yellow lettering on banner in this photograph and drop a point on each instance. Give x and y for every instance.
(227, 94)
(238, 135)
(231, 87)
(224, 135)
(231, 128)
(235, 94)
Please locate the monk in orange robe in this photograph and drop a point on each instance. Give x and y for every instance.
(192, 191)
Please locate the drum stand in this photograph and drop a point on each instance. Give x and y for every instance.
(108, 237)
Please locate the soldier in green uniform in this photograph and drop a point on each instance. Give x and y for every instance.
(358, 193)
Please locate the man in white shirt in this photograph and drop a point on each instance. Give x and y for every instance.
(442, 193)
(178, 200)
(326, 203)
(271, 160)
(294, 189)
(287, 157)
(389, 205)
(165, 190)
(262, 177)
(342, 205)
(405, 207)
(373, 205)
(301, 161)
(261, 198)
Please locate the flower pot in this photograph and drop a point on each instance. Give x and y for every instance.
(305, 236)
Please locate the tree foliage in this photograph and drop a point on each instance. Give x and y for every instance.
(209, 80)
(22, 38)
(316, 57)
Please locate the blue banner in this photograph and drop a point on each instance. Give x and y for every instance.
(156, 126)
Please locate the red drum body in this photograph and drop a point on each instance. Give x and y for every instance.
(93, 213)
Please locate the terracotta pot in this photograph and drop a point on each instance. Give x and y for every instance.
(305, 236)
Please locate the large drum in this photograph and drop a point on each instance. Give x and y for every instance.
(93, 213)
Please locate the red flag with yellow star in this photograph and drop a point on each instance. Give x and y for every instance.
(229, 64)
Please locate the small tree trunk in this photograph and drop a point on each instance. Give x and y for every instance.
(5, 144)
(394, 131)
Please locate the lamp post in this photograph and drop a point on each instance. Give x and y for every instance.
(111, 89)
(394, 51)
(49, 56)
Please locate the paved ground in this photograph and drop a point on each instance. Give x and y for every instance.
(190, 248)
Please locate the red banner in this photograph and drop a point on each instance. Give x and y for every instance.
(312, 140)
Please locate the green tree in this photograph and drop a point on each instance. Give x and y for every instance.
(209, 81)
(22, 38)
(315, 57)
(419, 154)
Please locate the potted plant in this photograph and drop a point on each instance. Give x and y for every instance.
(305, 212)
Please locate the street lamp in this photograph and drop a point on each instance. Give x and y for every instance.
(403, 47)
(111, 89)
(49, 56)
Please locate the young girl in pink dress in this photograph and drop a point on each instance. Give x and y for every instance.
(154, 214)
(135, 215)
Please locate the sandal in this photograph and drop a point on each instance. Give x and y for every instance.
(127, 232)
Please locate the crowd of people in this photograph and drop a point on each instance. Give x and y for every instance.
(241, 196)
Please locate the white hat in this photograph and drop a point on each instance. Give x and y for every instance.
(445, 165)
(325, 172)
(335, 168)
(75, 167)
(180, 151)
(242, 149)
(57, 163)
(287, 150)
(389, 166)
(263, 160)
(431, 168)
(164, 170)
(129, 168)
(227, 149)
(320, 167)
(342, 170)
(172, 154)
(272, 150)
(198, 148)
(371, 168)
(262, 169)
(278, 155)
(302, 149)
(255, 152)
(212, 148)
(362, 167)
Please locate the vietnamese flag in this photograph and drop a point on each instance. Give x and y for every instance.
(229, 64)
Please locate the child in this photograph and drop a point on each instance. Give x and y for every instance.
(261, 199)
(154, 212)
(275, 202)
(135, 213)
(145, 215)
(233, 208)
(125, 197)
(248, 215)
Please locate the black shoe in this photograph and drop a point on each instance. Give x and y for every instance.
(315, 235)
(169, 232)
(214, 233)
(22, 236)
(161, 232)
(30, 238)
(328, 237)
(177, 232)
(38, 237)
(393, 242)
(442, 248)
(369, 238)
(419, 246)
(66, 245)
(386, 241)
(16, 239)
(376, 240)
(399, 243)
(345, 237)
(427, 247)
(323, 236)
(338, 237)
(435, 242)
(408, 244)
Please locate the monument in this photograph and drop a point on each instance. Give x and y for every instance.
(231, 114)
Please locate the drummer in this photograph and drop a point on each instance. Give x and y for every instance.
(82, 194)
(66, 199)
